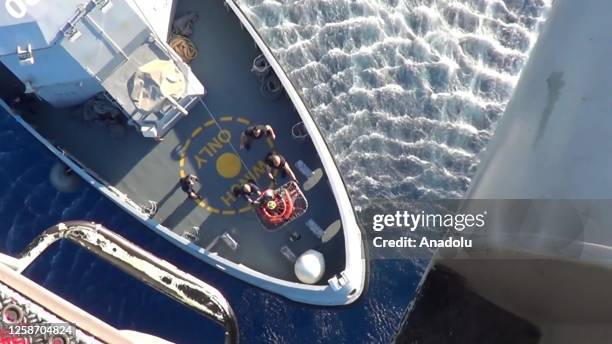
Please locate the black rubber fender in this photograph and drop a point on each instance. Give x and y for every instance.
(64, 179)
(261, 67)
(271, 87)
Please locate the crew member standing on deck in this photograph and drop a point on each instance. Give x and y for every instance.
(187, 184)
(255, 132)
(275, 161)
(250, 191)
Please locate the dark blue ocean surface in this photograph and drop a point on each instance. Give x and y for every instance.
(29, 204)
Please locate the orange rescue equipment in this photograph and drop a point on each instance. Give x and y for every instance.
(279, 209)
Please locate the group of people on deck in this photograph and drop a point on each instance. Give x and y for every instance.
(274, 162)
(250, 190)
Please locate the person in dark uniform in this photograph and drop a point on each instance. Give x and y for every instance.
(250, 191)
(275, 161)
(187, 184)
(255, 132)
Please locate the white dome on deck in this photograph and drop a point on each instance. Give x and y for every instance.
(310, 266)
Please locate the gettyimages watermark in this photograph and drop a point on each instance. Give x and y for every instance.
(407, 221)
(475, 229)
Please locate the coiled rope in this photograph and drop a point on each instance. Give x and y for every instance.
(184, 47)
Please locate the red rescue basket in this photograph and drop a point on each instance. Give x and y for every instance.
(285, 205)
(279, 209)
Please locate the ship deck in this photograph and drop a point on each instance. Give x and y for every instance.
(206, 143)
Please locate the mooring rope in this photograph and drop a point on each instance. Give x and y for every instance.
(184, 47)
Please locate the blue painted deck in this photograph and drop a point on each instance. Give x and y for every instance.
(146, 170)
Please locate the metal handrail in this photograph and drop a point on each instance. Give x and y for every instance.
(157, 273)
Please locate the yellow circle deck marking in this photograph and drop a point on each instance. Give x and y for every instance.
(228, 165)
(243, 121)
(186, 146)
(196, 132)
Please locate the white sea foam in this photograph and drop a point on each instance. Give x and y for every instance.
(406, 92)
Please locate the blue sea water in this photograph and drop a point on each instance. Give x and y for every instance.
(406, 92)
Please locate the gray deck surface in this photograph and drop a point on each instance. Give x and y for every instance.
(146, 170)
